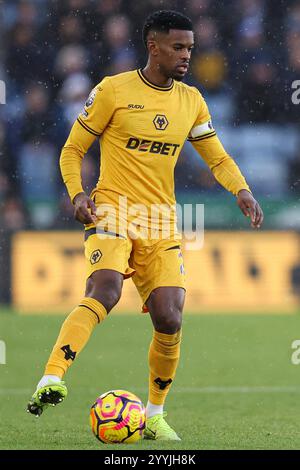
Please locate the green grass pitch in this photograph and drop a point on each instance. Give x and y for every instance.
(236, 387)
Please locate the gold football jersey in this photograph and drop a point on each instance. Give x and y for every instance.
(142, 129)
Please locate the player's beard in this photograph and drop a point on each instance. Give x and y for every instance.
(177, 77)
(171, 73)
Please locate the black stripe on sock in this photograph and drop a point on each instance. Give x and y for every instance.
(81, 305)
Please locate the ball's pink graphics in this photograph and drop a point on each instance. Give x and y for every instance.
(118, 416)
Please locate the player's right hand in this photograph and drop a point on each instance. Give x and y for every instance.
(84, 209)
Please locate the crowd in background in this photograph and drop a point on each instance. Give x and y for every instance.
(52, 53)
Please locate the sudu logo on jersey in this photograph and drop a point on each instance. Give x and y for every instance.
(152, 146)
(135, 106)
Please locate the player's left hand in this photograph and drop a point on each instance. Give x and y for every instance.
(250, 208)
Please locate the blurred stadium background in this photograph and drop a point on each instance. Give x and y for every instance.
(235, 378)
(247, 57)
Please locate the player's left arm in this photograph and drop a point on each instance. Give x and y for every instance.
(204, 139)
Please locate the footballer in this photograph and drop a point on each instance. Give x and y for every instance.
(142, 119)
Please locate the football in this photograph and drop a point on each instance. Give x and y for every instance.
(118, 417)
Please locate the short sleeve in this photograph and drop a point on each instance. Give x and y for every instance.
(98, 108)
(202, 127)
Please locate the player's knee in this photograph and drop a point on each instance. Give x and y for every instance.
(109, 296)
(170, 321)
(106, 290)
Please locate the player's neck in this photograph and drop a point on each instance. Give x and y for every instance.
(153, 75)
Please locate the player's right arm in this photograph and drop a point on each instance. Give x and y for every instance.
(89, 125)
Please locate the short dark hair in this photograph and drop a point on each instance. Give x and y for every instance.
(164, 20)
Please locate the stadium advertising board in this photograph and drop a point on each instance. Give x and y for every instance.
(256, 272)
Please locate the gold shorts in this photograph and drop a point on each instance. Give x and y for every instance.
(151, 263)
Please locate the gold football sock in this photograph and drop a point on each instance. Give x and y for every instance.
(74, 334)
(163, 359)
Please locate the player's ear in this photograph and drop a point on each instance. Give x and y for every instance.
(152, 47)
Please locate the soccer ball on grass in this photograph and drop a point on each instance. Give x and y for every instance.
(118, 416)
